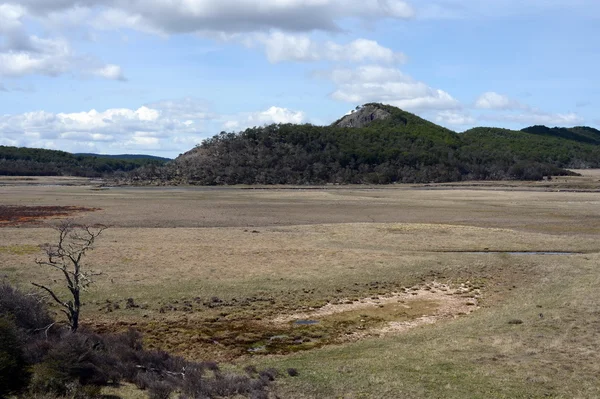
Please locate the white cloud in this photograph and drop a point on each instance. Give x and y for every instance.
(373, 83)
(114, 18)
(536, 117)
(280, 47)
(454, 118)
(185, 16)
(188, 109)
(510, 110)
(493, 100)
(112, 130)
(168, 126)
(238, 19)
(22, 53)
(66, 19)
(269, 116)
(43, 56)
(110, 71)
(10, 17)
(452, 9)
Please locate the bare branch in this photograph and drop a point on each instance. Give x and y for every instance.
(52, 294)
(46, 329)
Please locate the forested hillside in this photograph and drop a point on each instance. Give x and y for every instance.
(379, 144)
(375, 144)
(16, 161)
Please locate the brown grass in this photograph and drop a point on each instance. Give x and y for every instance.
(199, 262)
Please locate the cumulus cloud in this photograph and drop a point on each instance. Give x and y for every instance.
(536, 117)
(186, 109)
(269, 116)
(168, 126)
(513, 111)
(493, 100)
(41, 56)
(110, 71)
(185, 16)
(454, 118)
(10, 17)
(372, 83)
(280, 47)
(452, 9)
(146, 128)
(22, 53)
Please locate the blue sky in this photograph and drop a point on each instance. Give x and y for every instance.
(158, 76)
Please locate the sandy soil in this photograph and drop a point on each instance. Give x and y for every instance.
(448, 304)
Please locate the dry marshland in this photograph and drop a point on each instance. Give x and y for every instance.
(414, 291)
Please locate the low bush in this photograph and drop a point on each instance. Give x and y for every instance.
(27, 310)
(14, 376)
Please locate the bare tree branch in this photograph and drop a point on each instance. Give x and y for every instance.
(52, 294)
(67, 256)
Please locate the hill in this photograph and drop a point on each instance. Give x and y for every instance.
(378, 144)
(21, 161)
(583, 134)
(560, 147)
(375, 144)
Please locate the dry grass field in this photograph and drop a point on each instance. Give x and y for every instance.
(423, 291)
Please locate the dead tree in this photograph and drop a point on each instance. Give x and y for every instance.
(74, 241)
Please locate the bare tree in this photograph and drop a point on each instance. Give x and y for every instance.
(74, 241)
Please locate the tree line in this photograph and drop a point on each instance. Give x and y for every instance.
(21, 161)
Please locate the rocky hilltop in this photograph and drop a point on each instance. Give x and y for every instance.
(363, 116)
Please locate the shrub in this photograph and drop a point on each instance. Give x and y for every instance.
(292, 372)
(28, 311)
(14, 376)
(160, 390)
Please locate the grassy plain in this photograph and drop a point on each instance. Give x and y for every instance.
(212, 270)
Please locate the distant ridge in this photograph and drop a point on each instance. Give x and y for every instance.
(583, 134)
(22, 161)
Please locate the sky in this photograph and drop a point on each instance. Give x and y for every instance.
(159, 76)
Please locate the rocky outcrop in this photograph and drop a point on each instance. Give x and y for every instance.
(363, 116)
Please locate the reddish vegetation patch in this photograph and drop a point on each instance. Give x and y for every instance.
(14, 215)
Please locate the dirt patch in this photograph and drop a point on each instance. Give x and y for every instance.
(15, 215)
(397, 311)
(230, 335)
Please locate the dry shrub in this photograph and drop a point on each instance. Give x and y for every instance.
(14, 375)
(27, 310)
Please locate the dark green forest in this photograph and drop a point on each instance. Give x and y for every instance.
(385, 145)
(19, 161)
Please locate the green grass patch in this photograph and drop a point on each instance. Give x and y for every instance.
(19, 249)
